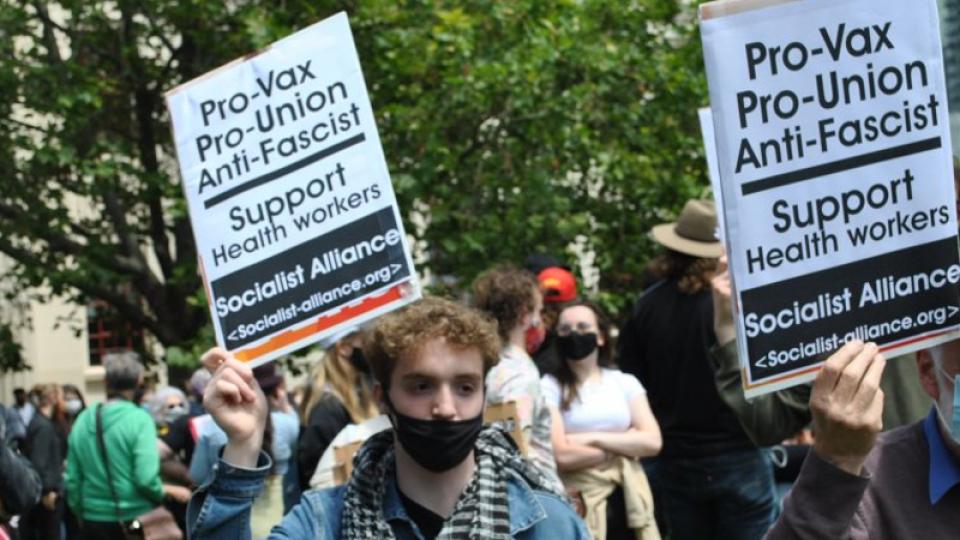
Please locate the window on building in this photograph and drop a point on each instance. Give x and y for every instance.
(108, 332)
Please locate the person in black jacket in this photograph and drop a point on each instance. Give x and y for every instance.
(45, 447)
(19, 482)
(710, 480)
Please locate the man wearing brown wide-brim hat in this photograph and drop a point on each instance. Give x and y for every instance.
(694, 233)
(709, 476)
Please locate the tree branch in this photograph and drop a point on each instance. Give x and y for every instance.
(130, 310)
(63, 244)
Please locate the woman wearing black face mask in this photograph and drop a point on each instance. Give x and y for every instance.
(340, 393)
(602, 423)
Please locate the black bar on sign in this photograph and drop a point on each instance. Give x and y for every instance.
(771, 182)
(283, 171)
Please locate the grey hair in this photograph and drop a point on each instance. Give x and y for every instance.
(123, 371)
(158, 403)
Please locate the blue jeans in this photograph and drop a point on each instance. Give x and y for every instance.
(724, 497)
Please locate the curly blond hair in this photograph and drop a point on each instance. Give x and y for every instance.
(404, 332)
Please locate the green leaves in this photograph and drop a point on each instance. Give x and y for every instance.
(512, 127)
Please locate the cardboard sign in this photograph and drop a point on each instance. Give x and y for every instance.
(834, 161)
(296, 222)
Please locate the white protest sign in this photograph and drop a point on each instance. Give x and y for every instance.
(294, 215)
(713, 168)
(834, 158)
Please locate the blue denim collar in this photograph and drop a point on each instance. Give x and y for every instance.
(525, 510)
(944, 466)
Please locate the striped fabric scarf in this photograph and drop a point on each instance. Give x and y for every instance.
(483, 510)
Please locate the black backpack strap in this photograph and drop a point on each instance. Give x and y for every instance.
(106, 462)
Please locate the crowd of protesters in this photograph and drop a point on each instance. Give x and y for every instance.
(637, 431)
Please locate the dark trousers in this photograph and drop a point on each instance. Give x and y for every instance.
(726, 497)
(102, 530)
(41, 524)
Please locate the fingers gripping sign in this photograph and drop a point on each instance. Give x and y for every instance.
(234, 400)
(724, 325)
(847, 405)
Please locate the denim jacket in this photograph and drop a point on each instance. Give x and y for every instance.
(221, 510)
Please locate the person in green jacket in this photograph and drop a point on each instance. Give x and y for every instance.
(130, 438)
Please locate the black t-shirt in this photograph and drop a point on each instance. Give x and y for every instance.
(178, 437)
(666, 345)
(429, 523)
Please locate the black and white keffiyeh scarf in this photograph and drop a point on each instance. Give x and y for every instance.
(483, 510)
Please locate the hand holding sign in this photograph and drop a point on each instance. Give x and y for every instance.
(723, 324)
(234, 400)
(832, 159)
(847, 405)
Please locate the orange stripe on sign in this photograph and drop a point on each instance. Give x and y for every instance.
(782, 377)
(322, 323)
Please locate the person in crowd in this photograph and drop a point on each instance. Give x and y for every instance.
(197, 384)
(45, 446)
(23, 407)
(602, 425)
(710, 480)
(166, 406)
(180, 437)
(340, 392)
(73, 402)
(854, 486)
(283, 428)
(512, 298)
(106, 494)
(13, 426)
(437, 474)
(558, 286)
(20, 485)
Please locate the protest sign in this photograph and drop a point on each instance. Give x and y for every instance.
(833, 146)
(295, 219)
(713, 168)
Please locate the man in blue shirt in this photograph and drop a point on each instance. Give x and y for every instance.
(904, 485)
(437, 474)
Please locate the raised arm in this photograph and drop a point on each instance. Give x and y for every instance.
(221, 509)
(767, 419)
(847, 406)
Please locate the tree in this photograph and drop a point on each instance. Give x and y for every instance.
(532, 126)
(511, 126)
(89, 203)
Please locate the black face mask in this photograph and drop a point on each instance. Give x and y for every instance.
(436, 445)
(359, 361)
(576, 346)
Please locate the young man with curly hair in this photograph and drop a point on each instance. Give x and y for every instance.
(512, 297)
(437, 474)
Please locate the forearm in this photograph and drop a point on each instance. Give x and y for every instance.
(767, 419)
(221, 509)
(633, 443)
(574, 456)
(821, 504)
(242, 454)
